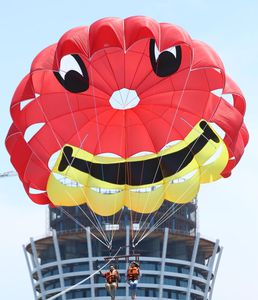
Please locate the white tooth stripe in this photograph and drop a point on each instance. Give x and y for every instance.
(52, 160)
(108, 154)
(229, 98)
(142, 153)
(32, 130)
(217, 92)
(66, 181)
(25, 103)
(105, 191)
(177, 180)
(170, 144)
(35, 191)
(183, 178)
(214, 156)
(139, 154)
(218, 130)
(146, 189)
(217, 70)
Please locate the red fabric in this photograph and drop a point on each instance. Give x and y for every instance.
(116, 55)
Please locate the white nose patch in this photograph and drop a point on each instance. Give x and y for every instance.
(124, 99)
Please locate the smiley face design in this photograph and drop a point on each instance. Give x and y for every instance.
(125, 113)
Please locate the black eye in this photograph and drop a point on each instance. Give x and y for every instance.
(73, 74)
(167, 62)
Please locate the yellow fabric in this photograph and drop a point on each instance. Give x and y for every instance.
(106, 198)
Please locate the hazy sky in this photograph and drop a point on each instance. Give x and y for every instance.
(227, 209)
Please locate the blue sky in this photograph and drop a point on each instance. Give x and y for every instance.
(227, 208)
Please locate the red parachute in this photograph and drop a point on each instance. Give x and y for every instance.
(133, 111)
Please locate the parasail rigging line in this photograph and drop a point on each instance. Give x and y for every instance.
(98, 135)
(81, 144)
(97, 122)
(131, 84)
(125, 101)
(113, 229)
(95, 223)
(166, 216)
(167, 212)
(200, 132)
(98, 130)
(100, 229)
(161, 221)
(147, 227)
(80, 224)
(191, 184)
(85, 279)
(169, 132)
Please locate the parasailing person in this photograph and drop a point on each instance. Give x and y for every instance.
(112, 278)
(133, 275)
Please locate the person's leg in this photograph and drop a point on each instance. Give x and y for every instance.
(134, 287)
(113, 290)
(108, 288)
(130, 286)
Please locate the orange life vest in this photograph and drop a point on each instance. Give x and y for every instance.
(111, 276)
(133, 273)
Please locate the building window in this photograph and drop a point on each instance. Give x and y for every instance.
(76, 267)
(200, 273)
(75, 294)
(170, 280)
(70, 249)
(198, 286)
(120, 292)
(196, 297)
(183, 270)
(153, 266)
(51, 295)
(171, 268)
(181, 296)
(53, 284)
(47, 255)
(151, 292)
(70, 281)
(150, 279)
(81, 267)
(100, 292)
(49, 272)
(174, 294)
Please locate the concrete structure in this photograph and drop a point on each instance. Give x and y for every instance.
(176, 263)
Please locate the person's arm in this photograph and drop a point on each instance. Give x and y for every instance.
(127, 275)
(139, 272)
(102, 274)
(118, 278)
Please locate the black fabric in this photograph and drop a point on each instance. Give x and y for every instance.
(166, 63)
(143, 171)
(75, 82)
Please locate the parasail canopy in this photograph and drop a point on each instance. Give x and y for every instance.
(125, 113)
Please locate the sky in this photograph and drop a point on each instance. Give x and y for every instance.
(227, 208)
